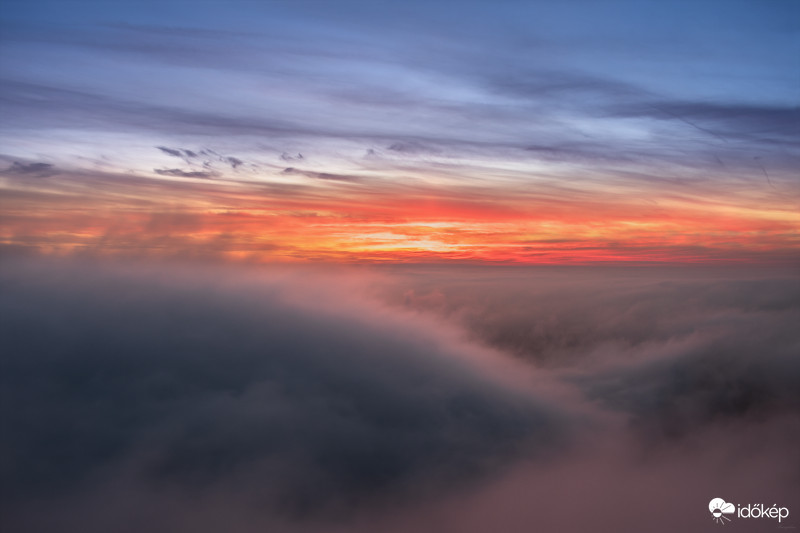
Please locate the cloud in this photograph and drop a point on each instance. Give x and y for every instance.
(191, 397)
(743, 139)
(320, 175)
(712, 379)
(41, 104)
(520, 132)
(183, 173)
(234, 162)
(34, 170)
(571, 316)
(693, 372)
(725, 121)
(553, 84)
(170, 151)
(411, 147)
(175, 386)
(190, 156)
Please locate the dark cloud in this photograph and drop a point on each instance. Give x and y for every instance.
(167, 396)
(560, 85)
(27, 105)
(198, 388)
(724, 121)
(320, 175)
(187, 155)
(183, 173)
(34, 170)
(410, 148)
(170, 151)
(564, 317)
(699, 364)
(39, 105)
(184, 154)
(233, 162)
(746, 372)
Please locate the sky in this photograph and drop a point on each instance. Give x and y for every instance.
(490, 132)
(432, 267)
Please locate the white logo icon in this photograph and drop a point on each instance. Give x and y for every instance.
(719, 508)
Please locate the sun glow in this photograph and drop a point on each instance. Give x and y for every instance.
(378, 222)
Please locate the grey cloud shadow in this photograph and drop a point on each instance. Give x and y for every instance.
(305, 411)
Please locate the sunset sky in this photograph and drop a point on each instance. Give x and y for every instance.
(372, 266)
(351, 131)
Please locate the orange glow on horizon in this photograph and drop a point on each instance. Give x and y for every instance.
(148, 217)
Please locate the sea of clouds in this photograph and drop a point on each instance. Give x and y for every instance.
(167, 397)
